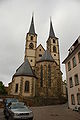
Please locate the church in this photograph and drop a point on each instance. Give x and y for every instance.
(39, 76)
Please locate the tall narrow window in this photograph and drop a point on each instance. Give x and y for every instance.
(27, 86)
(49, 75)
(41, 81)
(72, 99)
(54, 41)
(16, 88)
(45, 72)
(69, 66)
(79, 57)
(76, 79)
(78, 98)
(74, 61)
(31, 37)
(70, 82)
(54, 49)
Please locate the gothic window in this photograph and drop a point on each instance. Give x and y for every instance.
(31, 37)
(49, 75)
(54, 49)
(26, 86)
(16, 88)
(41, 81)
(31, 46)
(74, 61)
(45, 72)
(72, 99)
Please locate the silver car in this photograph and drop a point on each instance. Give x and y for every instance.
(19, 111)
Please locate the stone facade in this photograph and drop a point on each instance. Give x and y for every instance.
(20, 80)
(50, 86)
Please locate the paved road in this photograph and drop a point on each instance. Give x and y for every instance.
(56, 112)
(2, 114)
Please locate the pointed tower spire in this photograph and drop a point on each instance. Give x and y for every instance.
(32, 29)
(51, 32)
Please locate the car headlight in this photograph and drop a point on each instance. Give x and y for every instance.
(31, 113)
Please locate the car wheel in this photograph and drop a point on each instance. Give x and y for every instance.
(10, 118)
(31, 119)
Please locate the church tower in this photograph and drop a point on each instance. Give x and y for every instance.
(53, 45)
(31, 43)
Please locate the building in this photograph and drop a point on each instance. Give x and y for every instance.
(72, 64)
(64, 88)
(39, 75)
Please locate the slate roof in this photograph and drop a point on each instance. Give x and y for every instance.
(46, 57)
(32, 29)
(25, 70)
(51, 32)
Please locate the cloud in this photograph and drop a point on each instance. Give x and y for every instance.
(15, 18)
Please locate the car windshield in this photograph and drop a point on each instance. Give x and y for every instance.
(11, 100)
(18, 106)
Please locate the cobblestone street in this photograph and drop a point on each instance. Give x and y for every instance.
(56, 112)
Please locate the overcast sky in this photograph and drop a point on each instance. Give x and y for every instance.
(15, 19)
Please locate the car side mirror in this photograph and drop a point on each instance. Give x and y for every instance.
(9, 107)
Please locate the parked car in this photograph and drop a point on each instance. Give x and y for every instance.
(1, 103)
(7, 102)
(19, 111)
(77, 109)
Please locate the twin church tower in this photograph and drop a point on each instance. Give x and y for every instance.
(31, 45)
(39, 76)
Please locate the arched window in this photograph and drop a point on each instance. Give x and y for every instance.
(54, 49)
(41, 81)
(16, 88)
(31, 37)
(26, 86)
(49, 75)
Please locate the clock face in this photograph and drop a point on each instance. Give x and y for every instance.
(31, 46)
